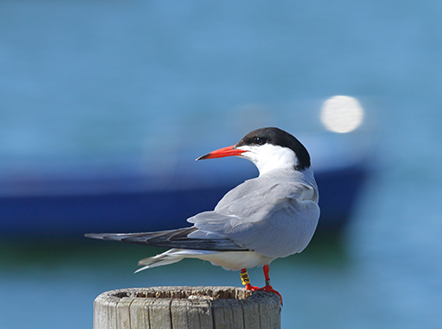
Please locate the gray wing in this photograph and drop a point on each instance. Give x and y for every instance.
(266, 216)
(263, 216)
(171, 239)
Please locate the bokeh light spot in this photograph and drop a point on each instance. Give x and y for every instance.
(342, 114)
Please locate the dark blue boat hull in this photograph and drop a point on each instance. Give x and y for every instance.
(136, 211)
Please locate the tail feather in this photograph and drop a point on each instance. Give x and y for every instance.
(166, 258)
(230, 260)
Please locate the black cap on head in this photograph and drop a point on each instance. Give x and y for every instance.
(278, 137)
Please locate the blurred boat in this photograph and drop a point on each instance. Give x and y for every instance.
(125, 198)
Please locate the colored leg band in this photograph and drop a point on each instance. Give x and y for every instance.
(245, 278)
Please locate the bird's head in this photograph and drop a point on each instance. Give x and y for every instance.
(268, 148)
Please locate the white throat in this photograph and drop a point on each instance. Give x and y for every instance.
(268, 157)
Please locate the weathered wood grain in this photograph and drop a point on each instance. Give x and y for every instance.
(186, 308)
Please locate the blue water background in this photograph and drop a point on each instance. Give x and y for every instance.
(102, 81)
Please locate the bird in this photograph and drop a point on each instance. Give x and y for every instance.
(273, 215)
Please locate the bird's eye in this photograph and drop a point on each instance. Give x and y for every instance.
(259, 140)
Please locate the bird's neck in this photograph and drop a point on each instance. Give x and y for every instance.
(284, 159)
(264, 169)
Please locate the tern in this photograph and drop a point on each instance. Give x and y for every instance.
(271, 216)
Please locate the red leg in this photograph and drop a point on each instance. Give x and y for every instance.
(268, 287)
(246, 281)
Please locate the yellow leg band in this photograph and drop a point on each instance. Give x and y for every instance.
(245, 278)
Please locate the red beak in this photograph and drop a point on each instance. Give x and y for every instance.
(221, 153)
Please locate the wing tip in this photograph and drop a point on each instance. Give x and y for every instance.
(99, 236)
(93, 236)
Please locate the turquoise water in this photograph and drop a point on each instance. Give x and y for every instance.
(88, 80)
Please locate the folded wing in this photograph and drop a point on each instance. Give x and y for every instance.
(171, 239)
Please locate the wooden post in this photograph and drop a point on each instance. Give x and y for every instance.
(187, 307)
